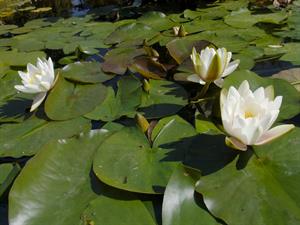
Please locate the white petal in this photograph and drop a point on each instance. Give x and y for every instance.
(236, 144)
(244, 89)
(31, 69)
(231, 67)
(277, 103)
(38, 100)
(269, 92)
(207, 55)
(195, 78)
(273, 133)
(25, 89)
(259, 93)
(219, 82)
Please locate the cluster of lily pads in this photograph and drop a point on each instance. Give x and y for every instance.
(162, 127)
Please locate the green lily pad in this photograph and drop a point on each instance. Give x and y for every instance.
(180, 205)
(157, 20)
(124, 103)
(137, 166)
(85, 72)
(27, 138)
(27, 45)
(291, 98)
(14, 58)
(243, 18)
(60, 176)
(164, 98)
(264, 185)
(102, 211)
(129, 32)
(180, 49)
(69, 100)
(7, 84)
(206, 126)
(8, 173)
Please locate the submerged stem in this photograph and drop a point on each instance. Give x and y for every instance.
(202, 92)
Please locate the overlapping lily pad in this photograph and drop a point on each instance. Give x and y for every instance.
(85, 72)
(27, 138)
(181, 206)
(69, 100)
(138, 165)
(58, 176)
(263, 184)
(124, 103)
(164, 98)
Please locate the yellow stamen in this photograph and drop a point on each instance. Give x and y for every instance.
(249, 114)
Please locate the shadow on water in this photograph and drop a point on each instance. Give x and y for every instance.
(15, 108)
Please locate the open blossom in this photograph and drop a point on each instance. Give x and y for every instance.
(212, 65)
(248, 116)
(38, 79)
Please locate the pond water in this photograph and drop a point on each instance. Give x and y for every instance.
(120, 38)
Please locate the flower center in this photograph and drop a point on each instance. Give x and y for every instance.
(249, 114)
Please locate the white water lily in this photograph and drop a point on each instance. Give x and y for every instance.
(212, 65)
(38, 79)
(248, 116)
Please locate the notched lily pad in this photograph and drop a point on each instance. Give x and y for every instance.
(164, 98)
(124, 103)
(85, 72)
(69, 100)
(137, 165)
(27, 138)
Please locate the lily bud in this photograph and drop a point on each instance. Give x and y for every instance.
(142, 122)
(146, 86)
(212, 65)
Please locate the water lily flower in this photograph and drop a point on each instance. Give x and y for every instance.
(248, 116)
(212, 65)
(39, 79)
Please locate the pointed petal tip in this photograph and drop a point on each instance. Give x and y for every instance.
(274, 133)
(37, 101)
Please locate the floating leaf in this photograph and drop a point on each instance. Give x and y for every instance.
(58, 176)
(20, 58)
(27, 138)
(259, 184)
(164, 98)
(86, 72)
(181, 204)
(69, 100)
(124, 103)
(137, 166)
(129, 32)
(102, 211)
(157, 20)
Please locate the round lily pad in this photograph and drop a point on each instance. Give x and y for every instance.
(69, 100)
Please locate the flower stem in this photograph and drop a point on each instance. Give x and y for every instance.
(202, 92)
